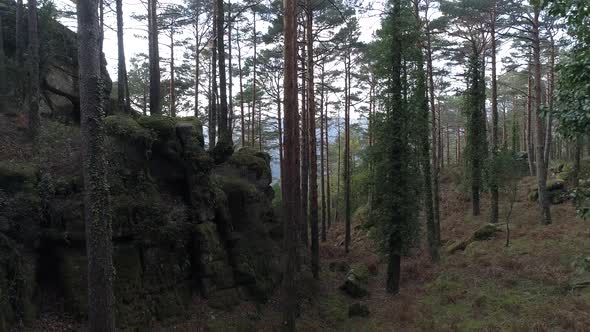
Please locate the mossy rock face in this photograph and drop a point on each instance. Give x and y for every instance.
(17, 283)
(15, 176)
(73, 271)
(162, 126)
(208, 243)
(250, 160)
(127, 128)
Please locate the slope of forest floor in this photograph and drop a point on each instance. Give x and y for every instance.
(526, 286)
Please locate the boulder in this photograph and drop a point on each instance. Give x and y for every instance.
(355, 285)
(556, 189)
(483, 233)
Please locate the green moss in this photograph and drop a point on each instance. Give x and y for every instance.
(163, 126)
(236, 186)
(361, 271)
(251, 160)
(333, 308)
(197, 124)
(126, 127)
(15, 176)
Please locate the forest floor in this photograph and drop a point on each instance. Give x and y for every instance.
(488, 287)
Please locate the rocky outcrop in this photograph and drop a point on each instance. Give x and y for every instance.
(182, 227)
(556, 189)
(58, 64)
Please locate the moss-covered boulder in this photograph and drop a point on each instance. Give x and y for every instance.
(556, 189)
(483, 233)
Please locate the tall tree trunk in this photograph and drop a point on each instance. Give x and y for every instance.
(154, 58)
(291, 186)
(19, 53)
(242, 120)
(458, 145)
(214, 108)
(494, 176)
(435, 186)
(224, 132)
(540, 153)
(322, 160)
(441, 157)
(304, 152)
(328, 188)
(255, 41)
(34, 118)
(123, 101)
(427, 168)
(145, 98)
(529, 126)
(101, 302)
(281, 144)
(230, 70)
(172, 78)
(394, 259)
(197, 63)
(551, 82)
(260, 138)
(347, 172)
(313, 176)
(20, 38)
(338, 166)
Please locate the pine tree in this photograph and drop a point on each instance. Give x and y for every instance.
(395, 167)
(33, 66)
(154, 58)
(291, 166)
(123, 101)
(101, 302)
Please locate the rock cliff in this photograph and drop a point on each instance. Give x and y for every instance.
(182, 226)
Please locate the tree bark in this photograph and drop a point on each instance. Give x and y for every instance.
(291, 192)
(313, 176)
(34, 118)
(123, 101)
(551, 82)
(328, 188)
(529, 126)
(494, 176)
(213, 109)
(230, 98)
(304, 153)
(347, 208)
(20, 38)
(540, 152)
(172, 78)
(255, 41)
(197, 63)
(101, 303)
(224, 131)
(322, 160)
(154, 58)
(242, 120)
(435, 185)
